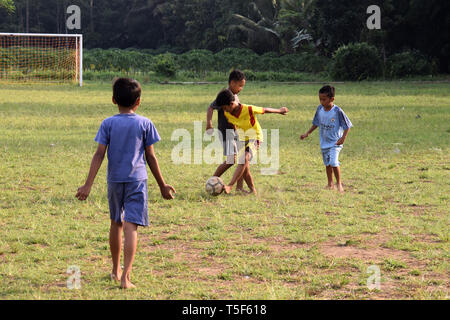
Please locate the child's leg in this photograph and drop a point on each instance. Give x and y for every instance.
(130, 245)
(115, 244)
(249, 179)
(337, 174)
(330, 177)
(238, 173)
(240, 184)
(222, 168)
(334, 162)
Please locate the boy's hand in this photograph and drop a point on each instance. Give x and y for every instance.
(284, 110)
(304, 136)
(166, 192)
(209, 130)
(340, 141)
(83, 192)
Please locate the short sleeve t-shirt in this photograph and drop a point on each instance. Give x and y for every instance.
(331, 125)
(223, 123)
(247, 122)
(127, 136)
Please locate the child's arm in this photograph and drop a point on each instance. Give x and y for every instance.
(304, 136)
(84, 191)
(209, 116)
(344, 136)
(166, 190)
(281, 111)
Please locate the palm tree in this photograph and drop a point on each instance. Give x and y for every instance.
(258, 30)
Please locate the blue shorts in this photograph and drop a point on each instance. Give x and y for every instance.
(331, 156)
(129, 202)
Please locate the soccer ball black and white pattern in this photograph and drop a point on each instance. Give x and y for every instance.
(214, 186)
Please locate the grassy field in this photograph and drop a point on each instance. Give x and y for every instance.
(295, 240)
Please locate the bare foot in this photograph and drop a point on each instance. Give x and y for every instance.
(127, 285)
(116, 276)
(125, 282)
(243, 190)
(330, 187)
(340, 188)
(253, 191)
(227, 189)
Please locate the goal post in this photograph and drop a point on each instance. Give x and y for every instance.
(40, 57)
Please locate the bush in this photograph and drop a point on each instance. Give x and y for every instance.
(117, 60)
(407, 64)
(304, 62)
(198, 61)
(268, 62)
(165, 65)
(234, 58)
(356, 62)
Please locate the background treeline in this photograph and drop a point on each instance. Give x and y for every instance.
(414, 38)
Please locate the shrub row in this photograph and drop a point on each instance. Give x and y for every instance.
(359, 61)
(201, 61)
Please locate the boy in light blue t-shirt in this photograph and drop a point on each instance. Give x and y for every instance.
(129, 139)
(334, 127)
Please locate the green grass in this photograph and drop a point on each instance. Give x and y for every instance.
(294, 240)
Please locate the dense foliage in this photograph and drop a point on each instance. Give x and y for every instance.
(316, 28)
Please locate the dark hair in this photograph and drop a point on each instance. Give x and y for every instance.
(329, 90)
(225, 98)
(236, 75)
(126, 92)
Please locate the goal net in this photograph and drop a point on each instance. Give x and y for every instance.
(41, 58)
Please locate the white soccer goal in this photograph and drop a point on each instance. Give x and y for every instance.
(34, 57)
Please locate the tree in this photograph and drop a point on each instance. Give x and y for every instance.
(8, 5)
(257, 31)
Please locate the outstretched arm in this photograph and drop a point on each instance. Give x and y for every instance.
(166, 190)
(304, 136)
(84, 191)
(281, 111)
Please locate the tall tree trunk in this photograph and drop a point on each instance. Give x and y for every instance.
(20, 18)
(27, 16)
(92, 15)
(57, 17)
(65, 16)
(37, 7)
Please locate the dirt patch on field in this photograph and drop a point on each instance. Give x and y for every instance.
(373, 255)
(193, 260)
(415, 209)
(368, 248)
(278, 244)
(401, 273)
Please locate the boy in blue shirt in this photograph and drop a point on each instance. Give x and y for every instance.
(334, 127)
(129, 140)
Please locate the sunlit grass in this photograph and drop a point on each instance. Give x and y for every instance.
(395, 167)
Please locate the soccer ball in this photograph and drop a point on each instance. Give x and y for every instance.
(214, 186)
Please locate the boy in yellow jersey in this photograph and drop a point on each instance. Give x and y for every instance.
(250, 133)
